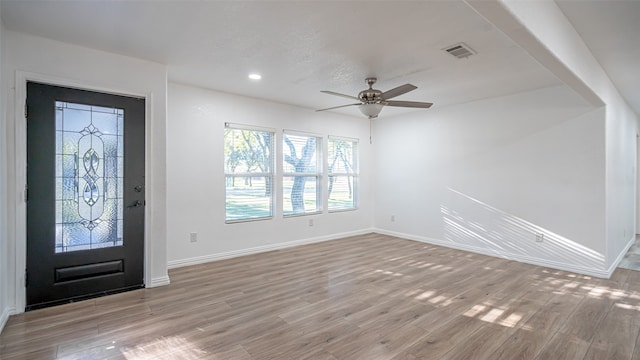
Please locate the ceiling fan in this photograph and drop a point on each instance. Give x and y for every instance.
(371, 101)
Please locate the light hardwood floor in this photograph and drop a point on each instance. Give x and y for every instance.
(366, 297)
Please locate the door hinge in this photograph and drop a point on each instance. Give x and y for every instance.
(26, 278)
(26, 192)
(26, 110)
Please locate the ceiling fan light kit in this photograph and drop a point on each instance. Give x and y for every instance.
(373, 100)
(371, 110)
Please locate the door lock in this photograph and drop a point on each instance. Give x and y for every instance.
(136, 204)
(138, 188)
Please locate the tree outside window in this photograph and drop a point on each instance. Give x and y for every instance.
(343, 174)
(302, 174)
(248, 165)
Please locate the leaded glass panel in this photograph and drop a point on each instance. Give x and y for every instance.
(89, 177)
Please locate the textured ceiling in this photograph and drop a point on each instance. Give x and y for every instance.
(611, 29)
(300, 47)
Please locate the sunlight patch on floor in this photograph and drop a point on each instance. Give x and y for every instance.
(511, 321)
(387, 272)
(475, 310)
(425, 295)
(177, 346)
(438, 299)
(494, 315)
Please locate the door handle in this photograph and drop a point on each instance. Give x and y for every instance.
(136, 204)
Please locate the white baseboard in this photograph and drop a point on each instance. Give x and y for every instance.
(4, 317)
(259, 249)
(160, 281)
(600, 273)
(616, 262)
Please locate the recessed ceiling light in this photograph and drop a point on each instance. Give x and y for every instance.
(255, 76)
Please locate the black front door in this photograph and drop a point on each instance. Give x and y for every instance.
(85, 194)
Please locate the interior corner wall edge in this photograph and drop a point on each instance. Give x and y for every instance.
(94, 69)
(621, 177)
(196, 181)
(521, 176)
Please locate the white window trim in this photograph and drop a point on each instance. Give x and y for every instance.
(344, 138)
(355, 174)
(272, 174)
(249, 127)
(319, 174)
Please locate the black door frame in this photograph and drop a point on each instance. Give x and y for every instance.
(18, 217)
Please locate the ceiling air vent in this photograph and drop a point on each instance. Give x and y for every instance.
(461, 50)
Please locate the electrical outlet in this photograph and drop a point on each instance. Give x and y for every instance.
(393, 218)
(310, 222)
(193, 237)
(539, 237)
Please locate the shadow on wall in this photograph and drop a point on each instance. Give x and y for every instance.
(471, 223)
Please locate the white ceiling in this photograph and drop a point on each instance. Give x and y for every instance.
(611, 28)
(302, 47)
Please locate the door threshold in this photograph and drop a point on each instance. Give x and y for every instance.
(81, 298)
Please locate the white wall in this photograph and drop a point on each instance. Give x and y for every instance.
(637, 184)
(5, 308)
(35, 58)
(621, 182)
(547, 23)
(196, 183)
(488, 176)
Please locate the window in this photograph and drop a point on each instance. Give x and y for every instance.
(302, 174)
(343, 174)
(248, 167)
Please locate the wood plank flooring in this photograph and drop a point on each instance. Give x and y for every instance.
(365, 297)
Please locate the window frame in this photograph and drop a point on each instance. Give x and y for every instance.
(319, 174)
(243, 175)
(355, 175)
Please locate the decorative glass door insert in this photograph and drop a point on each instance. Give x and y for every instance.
(89, 177)
(86, 204)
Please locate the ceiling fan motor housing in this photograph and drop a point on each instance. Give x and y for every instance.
(370, 96)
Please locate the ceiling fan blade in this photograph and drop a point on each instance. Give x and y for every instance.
(338, 94)
(337, 107)
(397, 91)
(412, 104)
